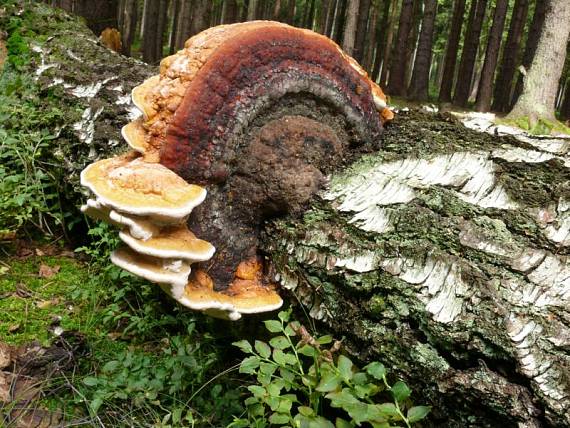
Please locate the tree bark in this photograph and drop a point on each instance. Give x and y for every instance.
(451, 52)
(291, 11)
(531, 45)
(323, 16)
(252, 10)
(565, 107)
(340, 15)
(485, 91)
(412, 43)
(447, 260)
(200, 16)
(504, 81)
(362, 32)
(330, 18)
(541, 82)
(384, 50)
(230, 12)
(150, 54)
(420, 78)
(373, 42)
(183, 30)
(469, 54)
(128, 28)
(349, 36)
(397, 81)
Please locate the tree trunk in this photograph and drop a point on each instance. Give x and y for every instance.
(420, 78)
(362, 30)
(291, 11)
(485, 90)
(469, 54)
(330, 18)
(384, 50)
(451, 52)
(252, 10)
(151, 16)
(396, 85)
(368, 60)
(412, 43)
(200, 16)
(447, 260)
(565, 107)
(340, 16)
(129, 25)
(531, 45)
(541, 82)
(323, 16)
(230, 12)
(504, 81)
(183, 30)
(350, 26)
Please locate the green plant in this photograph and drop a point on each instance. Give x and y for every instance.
(300, 383)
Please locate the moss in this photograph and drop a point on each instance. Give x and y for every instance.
(541, 127)
(30, 304)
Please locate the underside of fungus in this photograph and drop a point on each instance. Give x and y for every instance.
(257, 113)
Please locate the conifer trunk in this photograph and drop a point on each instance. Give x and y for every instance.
(397, 81)
(469, 54)
(420, 78)
(504, 82)
(451, 52)
(530, 47)
(349, 37)
(485, 91)
(362, 31)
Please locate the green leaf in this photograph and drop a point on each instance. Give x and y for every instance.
(244, 345)
(320, 422)
(257, 391)
(176, 416)
(95, 404)
(388, 410)
(278, 419)
(345, 368)
(284, 315)
(366, 390)
(308, 351)
(376, 370)
(400, 391)
(249, 364)
(284, 359)
(274, 388)
(111, 366)
(305, 411)
(90, 381)
(417, 413)
(341, 423)
(291, 328)
(330, 381)
(285, 404)
(273, 326)
(323, 340)
(360, 378)
(263, 349)
(279, 342)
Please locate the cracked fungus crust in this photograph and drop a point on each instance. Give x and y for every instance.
(258, 112)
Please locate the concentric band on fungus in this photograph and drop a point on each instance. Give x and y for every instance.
(205, 94)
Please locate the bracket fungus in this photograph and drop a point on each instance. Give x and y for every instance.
(257, 113)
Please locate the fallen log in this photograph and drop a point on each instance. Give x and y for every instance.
(442, 251)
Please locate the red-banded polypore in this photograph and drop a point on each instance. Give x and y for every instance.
(257, 113)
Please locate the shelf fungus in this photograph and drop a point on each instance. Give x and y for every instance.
(257, 113)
